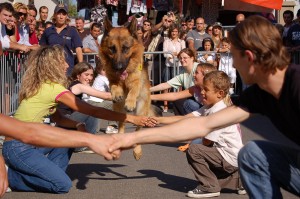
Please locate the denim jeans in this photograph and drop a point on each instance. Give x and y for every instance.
(37, 169)
(191, 105)
(265, 167)
(91, 123)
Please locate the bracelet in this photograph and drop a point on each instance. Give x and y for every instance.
(80, 123)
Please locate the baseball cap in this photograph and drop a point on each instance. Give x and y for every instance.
(217, 24)
(61, 7)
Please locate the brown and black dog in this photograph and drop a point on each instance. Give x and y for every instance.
(122, 58)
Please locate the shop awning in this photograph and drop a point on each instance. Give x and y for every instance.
(253, 5)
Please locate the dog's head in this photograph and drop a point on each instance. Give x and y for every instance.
(119, 46)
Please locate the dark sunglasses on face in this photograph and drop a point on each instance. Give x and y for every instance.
(22, 13)
(183, 24)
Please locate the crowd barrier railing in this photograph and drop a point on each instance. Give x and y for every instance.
(12, 69)
(11, 72)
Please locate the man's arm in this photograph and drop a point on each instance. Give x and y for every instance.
(16, 46)
(191, 44)
(47, 136)
(160, 87)
(186, 129)
(79, 54)
(173, 96)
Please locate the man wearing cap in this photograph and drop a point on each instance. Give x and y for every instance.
(62, 34)
(195, 37)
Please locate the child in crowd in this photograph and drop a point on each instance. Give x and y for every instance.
(207, 45)
(225, 63)
(101, 83)
(194, 91)
(214, 162)
(80, 83)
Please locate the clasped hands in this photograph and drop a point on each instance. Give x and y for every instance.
(110, 146)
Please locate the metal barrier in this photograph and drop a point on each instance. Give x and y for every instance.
(12, 70)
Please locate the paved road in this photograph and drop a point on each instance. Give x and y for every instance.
(161, 173)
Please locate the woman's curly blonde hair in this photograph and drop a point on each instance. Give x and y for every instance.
(18, 6)
(43, 65)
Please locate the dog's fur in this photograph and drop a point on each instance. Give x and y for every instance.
(122, 57)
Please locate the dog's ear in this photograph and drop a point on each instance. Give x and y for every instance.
(107, 25)
(132, 26)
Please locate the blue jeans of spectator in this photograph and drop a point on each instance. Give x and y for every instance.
(91, 123)
(190, 105)
(37, 169)
(265, 167)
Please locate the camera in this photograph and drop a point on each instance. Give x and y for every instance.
(169, 14)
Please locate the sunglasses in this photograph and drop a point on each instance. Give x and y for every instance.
(183, 24)
(22, 13)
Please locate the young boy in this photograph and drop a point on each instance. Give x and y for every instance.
(225, 63)
(214, 162)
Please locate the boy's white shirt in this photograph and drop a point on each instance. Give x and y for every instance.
(101, 83)
(228, 140)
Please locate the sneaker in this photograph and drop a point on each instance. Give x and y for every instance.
(197, 193)
(111, 129)
(183, 148)
(8, 189)
(241, 191)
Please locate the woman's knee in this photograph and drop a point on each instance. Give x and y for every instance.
(63, 186)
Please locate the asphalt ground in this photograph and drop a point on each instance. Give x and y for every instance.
(162, 172)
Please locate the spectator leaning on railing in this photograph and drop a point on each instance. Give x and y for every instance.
(6, 10)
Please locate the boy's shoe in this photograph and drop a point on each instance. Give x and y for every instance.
(197, 193)
(241, 191)
(183, 148)
(111, 129)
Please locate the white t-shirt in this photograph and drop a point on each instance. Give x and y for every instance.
(101, 83)
(4, 37)
(227, 140)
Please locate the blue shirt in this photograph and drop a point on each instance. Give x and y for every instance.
(68, 38)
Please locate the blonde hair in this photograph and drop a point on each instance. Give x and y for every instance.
(43, 65)
(206, 67)
(53, 19)
(220, 82)
(18, 5)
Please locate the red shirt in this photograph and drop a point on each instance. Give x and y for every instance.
(33, 38)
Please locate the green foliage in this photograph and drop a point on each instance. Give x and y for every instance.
(72, 9)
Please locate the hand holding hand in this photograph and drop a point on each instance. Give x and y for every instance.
(122, 141)
(100, 145)
(144, 121)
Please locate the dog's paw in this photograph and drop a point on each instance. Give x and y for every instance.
(118, 98)
(130, 105)
(137, 152)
